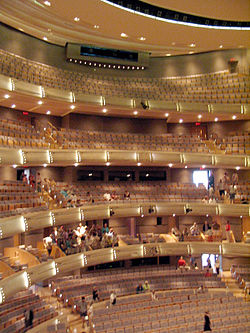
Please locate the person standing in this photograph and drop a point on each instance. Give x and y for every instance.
(83, 310)
(95, 295)
(112, 298)
(207, 323)
(228, 230)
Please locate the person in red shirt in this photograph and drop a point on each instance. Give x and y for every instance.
(228, 229)
(181, 263)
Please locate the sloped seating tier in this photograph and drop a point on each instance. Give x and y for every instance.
(206, 88)
(17, 197)
(124, 282)
(175, 311)
(139, 191)
(242, 274)
(236, 143)
(12, 312)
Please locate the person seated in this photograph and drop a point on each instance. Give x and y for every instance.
(105, 229)
(139, 289)
(175, 232)
(107, 196)
(126, 195)
(114, 196)
(208, 273)
(215, 225)
(195, 230)
(206, 227)
(181, 263)
(201, 289)
(146, 287)
(205, 200)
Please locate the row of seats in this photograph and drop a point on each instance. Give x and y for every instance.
(12, 311)
(179, 312)
(206, 88)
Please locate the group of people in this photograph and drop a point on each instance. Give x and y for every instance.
(82, 238)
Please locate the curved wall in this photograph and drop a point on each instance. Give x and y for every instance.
(34, 49)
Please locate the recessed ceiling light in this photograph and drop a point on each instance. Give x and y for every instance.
(166, 114)
(170, 165)
(203, 166)
(139, 164)
(90, 174)
(124, 35)
(168, 54)
(234, 117)
(47, 3)
(14, 166)
(6, 96)
(76, 19)
(199, 116)
(104, 110)
(135, 113)
(181, 121)
(174, 215)
(48, 112)
(45, 165)
(72, 107)
(40, 102)
(221, 46)
(96, 26)
(237, 168)
(108, 163)
(128, 175)
(13, 106)
(185, 166)
(142, 38)
(216, 119)
(147, 174)
(45, 38)
(76, 164)
(190, 52)
(192, 45)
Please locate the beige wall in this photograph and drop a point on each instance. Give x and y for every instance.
(8, 173)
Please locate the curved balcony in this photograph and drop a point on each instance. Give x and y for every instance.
(23, 280)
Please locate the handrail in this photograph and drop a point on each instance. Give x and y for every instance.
(10, 226)
(23, 280)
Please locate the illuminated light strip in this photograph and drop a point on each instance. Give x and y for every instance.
(81, 215)
(51, 159)
(52, 219)
(12, 85)
(25, 223)
(114, 254)
(1, 233)
(173, 21)
(84, 260)
(23, 157)
(73, 98)
(78, 157)
(2, 296)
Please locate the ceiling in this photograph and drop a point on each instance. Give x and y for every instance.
(102, 24)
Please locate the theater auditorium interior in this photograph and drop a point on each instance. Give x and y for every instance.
(124, 166)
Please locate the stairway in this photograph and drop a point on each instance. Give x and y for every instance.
(232, 284)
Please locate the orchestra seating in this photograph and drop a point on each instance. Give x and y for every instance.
(242, 274)
(173, 311)
(124, 282)
(17, 197)
(221, 87)
(12, 311)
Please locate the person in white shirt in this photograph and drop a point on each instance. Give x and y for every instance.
(112, 298)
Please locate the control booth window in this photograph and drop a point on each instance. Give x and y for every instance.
(152, 175)
(88, 175)
(117, 175)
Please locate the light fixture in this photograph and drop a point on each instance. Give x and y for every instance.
(138, 164)
(142, 215)
(14, 166)
(185, 166)
(104, 110)
(221, 46)
(168, 54)
(135, 113)
(90, 174)
(47, 3)
(203, 166)
(216, 119)
(96, 26)
(48, 112)
(128, 175)
(108, 163)
(190, 52)
(181, 121)
(40, 102)
(13, 106)
(45, 165)
(192, 45)
(174, 215)
(124, 35)
(206, 215)
(199, 116)
(45, 38)
(237, 168)
(166, 115)
(76, 164)
(6, 96)
(241, 216)
(147, 174)
(234, 117)
(170, 165)
(76, 19)
(72, 107)
(142, 38)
